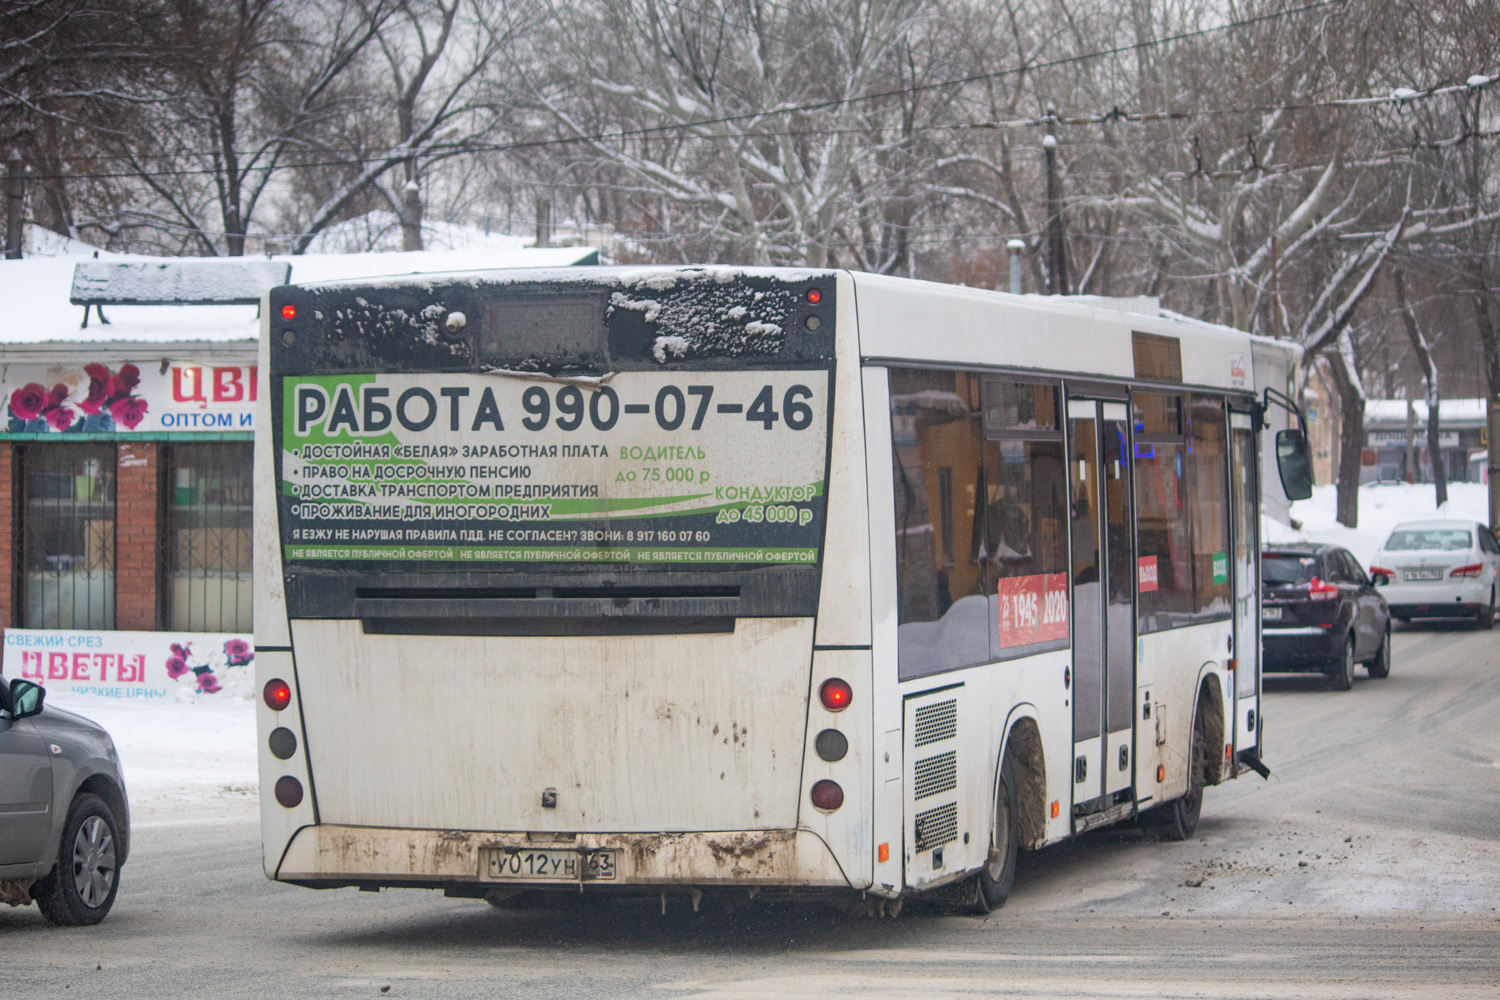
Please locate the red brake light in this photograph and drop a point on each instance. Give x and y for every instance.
(827, 795)
(835, 694)
(1474, 569)
(278, 694)
(288, 311)
(1320, 591)
(814, 296)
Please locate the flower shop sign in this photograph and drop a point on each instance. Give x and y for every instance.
(96, 398)
(142, 665)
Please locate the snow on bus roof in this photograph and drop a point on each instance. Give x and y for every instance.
(36, 293)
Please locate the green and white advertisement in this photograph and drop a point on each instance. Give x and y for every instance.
(724, 467)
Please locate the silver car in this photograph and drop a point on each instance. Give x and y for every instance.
(64, 818)
(1441, 569)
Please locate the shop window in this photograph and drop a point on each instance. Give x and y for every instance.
(209, 537)
(68, 531)
(986, 463)
(1182, 509)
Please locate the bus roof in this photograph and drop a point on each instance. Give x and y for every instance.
(904, 319)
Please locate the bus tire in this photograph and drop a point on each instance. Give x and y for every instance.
(998, 876)
(1341, 672)
(1180, 816)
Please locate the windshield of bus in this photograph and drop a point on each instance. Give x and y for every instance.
(573, 434)
(1429, 540)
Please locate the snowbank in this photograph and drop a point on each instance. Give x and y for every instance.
(183, 761)
(1382, 506)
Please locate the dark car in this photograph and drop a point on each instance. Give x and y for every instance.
(1321, 612)
(64, 819)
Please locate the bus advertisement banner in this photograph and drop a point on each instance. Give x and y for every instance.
(643, 467)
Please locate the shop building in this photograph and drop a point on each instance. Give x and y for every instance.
(1462, 437)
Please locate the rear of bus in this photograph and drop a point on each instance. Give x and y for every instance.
(564, 583)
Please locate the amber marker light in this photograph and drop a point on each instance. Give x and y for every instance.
(884, 852)
(1161, 773)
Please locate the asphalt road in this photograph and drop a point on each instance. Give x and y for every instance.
(1368, 867)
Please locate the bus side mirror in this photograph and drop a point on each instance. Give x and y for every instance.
(1293, 464)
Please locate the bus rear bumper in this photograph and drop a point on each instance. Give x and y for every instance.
(329, 856)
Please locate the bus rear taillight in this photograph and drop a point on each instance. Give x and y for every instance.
(289, 792)
(288, 311)
(827, 795)
(278, 694)
(835, 694)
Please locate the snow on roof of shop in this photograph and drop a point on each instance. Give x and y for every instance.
(37, 289)
(1450, 412)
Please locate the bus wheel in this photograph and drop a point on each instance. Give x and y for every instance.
(998, 876)
(1181, 815)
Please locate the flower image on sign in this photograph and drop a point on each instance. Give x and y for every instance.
(1032, 609)
(1146, 571)
(99, 399)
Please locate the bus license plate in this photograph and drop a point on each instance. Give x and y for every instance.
(551, 866)
(1270, 614)
(1422, 574)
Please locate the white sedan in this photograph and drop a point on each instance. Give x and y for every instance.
(1440, 569)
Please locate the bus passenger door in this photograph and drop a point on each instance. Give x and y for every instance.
(1103, 612)
(1246, 507)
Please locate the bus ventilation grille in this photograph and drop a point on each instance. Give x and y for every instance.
(936, 774)
(937, 827)
(935, 722)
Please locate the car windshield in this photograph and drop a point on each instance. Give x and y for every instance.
(1429, 539)
(1287, 567)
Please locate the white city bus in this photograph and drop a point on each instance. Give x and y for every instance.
(685, 580)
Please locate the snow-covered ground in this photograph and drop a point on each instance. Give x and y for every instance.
(1381, 507)
(183, 763)
(195, 762)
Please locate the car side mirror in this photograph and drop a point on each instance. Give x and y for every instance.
(1380, 579)
(1293, 464)
(26, 698)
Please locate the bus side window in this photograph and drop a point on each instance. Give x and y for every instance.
(1182, 509)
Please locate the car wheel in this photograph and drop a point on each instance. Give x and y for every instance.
(1181, 815)
(998, 876)
(1485, 618)
(81, 889)
(1381, 665)
(1341, 675)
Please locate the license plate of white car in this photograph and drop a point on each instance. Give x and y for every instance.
(547, 865)
(1421, 574)
(1270, 614)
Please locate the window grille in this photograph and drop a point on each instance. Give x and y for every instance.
(68, 528)
(208, 537)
